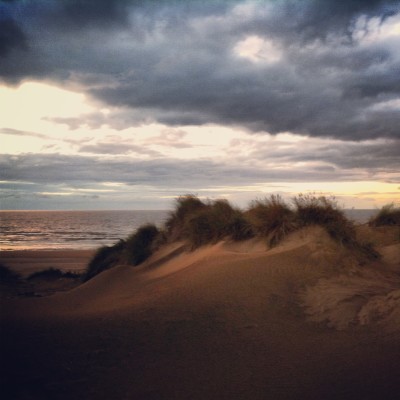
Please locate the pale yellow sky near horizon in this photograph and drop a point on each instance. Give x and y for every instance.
(28, 126)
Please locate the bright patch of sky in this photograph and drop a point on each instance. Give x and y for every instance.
(257, 49)
(38, 133)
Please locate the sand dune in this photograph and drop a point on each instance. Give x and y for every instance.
(230, 320)
(232, 269)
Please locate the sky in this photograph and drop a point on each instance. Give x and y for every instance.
(118, 104)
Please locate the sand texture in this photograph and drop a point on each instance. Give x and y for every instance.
(303, 320)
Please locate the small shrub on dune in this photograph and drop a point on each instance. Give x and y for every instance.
(240, 227)
(200, 230)
(161, 239)
(325, 212)
(311, 210)
(139, 246)
(186, 208)
(271, 218)
(228, 221)
(316, 210)
(388, 215)
(105, 258)
(215, 221)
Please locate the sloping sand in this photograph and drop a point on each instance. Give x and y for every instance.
(226, 321)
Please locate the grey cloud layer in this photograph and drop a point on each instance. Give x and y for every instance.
(371, 157)
(174, 62)
(344, 162)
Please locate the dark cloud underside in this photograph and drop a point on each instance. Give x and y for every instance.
(175, 62)
(11, 37)
(322, 163)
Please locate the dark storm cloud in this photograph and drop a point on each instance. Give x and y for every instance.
(371, 156)
(368, 156)
(313, 19)
(79, 14)
(11, 37)
(175, 63)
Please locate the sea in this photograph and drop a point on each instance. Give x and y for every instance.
(51, 230)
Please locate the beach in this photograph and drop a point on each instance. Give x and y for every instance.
(29, 261)
(231, 320)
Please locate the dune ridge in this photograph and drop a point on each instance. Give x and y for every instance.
(325, 280)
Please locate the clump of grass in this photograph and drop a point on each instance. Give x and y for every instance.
(316, 210)
(312, 210)
(214, 221)
(140, 245)
(323, 211)
(271, 218)
(388, 215)
(8, 276)
(105, 258)
(230, 221)
(134, 250)
(200, 223)
(240, 227)
(53, 274)
(186, 208)
(200, 230)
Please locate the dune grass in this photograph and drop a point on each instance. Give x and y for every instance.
(186, 207)
(388, 215)
(139, 246)
(271, 218)
(133, 251)
(323, 211)
(105, 258)
(200, 222)
(217, 220)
